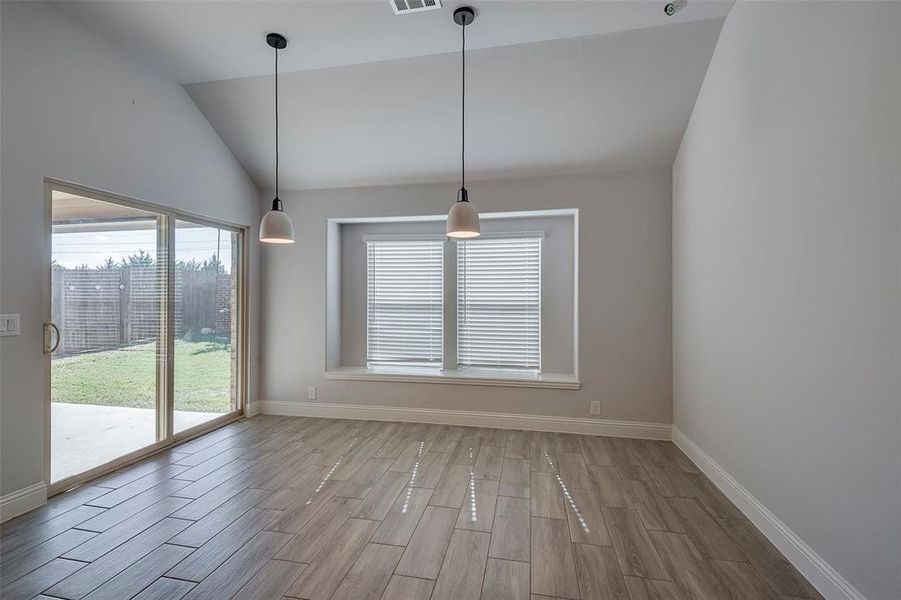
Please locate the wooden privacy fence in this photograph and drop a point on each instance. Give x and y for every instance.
(110, 308)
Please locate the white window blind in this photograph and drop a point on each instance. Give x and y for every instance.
(404, 305)
(499, 303)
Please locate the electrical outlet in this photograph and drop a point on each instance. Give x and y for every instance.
(311, 393)
(595, 407)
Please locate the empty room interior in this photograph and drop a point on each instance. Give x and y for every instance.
(450, 300)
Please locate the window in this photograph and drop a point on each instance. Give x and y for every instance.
(499, 303)
(404, 304)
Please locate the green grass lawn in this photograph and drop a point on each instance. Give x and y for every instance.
(127, 377)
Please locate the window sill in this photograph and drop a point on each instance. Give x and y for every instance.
(560, 381)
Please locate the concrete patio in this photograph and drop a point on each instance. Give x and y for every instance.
(84, 436)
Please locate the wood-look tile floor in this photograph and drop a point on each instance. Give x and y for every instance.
(321, 509)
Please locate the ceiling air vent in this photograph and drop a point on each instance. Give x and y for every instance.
(402, 7)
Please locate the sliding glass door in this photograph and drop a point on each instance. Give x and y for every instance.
(207, 264)
(142, 350)
(107, 304)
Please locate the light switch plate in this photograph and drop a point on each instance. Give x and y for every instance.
(9, 325)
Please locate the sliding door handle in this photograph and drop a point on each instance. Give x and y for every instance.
(48, 336)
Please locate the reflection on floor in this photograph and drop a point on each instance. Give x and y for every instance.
(322, 509)
(84, 436)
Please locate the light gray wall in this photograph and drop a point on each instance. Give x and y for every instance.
(557, 285)
(625, 283)
(77, 108)
(787, 274)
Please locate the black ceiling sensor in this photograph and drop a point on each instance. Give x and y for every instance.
(673, 7)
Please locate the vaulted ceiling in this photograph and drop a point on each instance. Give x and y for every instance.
(370, 97)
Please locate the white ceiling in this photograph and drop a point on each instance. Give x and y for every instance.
(369, 98)
(611, 102)
(208, 41)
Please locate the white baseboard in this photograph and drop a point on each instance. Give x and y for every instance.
(821, 575)
(252, 409)
(632, 429)
(21, 501)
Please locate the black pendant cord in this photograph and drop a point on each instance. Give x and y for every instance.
(276, 201)
(463, 113)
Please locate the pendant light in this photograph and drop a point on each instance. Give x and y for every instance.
(463, 219)
(276, 226)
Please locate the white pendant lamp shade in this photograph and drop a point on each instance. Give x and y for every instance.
(276, 228)
(463, 218)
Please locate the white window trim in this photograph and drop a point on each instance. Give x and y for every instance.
(487, 377)
(396, 237)
(450, 374)
(499, 235)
